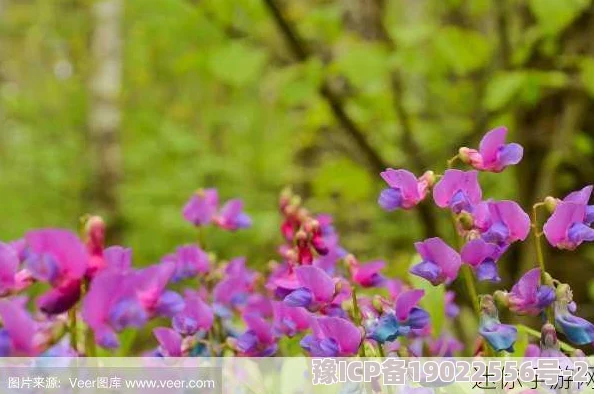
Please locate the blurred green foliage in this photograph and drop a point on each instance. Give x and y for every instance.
(213, 95)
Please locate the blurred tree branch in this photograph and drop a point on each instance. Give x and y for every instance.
(377, 163)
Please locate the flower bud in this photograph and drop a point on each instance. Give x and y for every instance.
(429, 177)
(466, 220)
(501, 298)
(464, 154)
(551, 203)
(548, 280)
(564, 293)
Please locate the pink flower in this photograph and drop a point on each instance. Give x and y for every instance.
(404, 189)
(494, 154)
(440, 262)
(458, 190)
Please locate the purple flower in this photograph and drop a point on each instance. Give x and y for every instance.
(111, 305)
(458, 190)
(9, 262)
(58, 257)
(439, 264)
(316, 290)
(233, 291)
(189, 261)
(567, 227)
(258, 340)
(366, 275)
(452, 310)
(18, 331)
(494, 154)
(501, 222)
(118, 258)
(404, 189)
(482, 257)
(196, 315)
(288, 320)
(231, 217)
(170, 342)
(549, 344)
(405, 317)
(332, 337)
(528, 296)
(201, 207)
(577, 330)
(150, 287)
(499, 336)
(444, 346)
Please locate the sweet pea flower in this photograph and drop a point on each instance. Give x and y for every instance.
(232, 292)
(458, 190)
(58, 257)
(567, 227)
(501, 222)
(201, 207)
(110, 305)
(150, 288)
(404, 190)
(288, 320)
(440, 263)
(258, 340)
(231, 217)
(18, 329)
(528, 296)
(196, 315)
(170, 342)
(405, 317)
(9, 262)
(499, 336)
(482, 257)
(189, 261)
(366, 275)
(118, 258)
(317, 289)
(577, 330)
(332, 337)
(549, 344)
(444, 346)
(494, 154)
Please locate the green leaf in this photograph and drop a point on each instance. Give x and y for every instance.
(554, 16)
(587, 75)
(502, 88)
(433, 301)
(463, 50)
(237, 63)
(366, 65)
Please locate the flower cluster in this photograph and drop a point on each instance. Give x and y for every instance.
(316, 296)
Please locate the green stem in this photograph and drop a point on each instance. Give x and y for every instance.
(452, 161)
(471, 287)
(357, 317)
(90, 347)
(73, 328)
(539, 253)
(563, 345)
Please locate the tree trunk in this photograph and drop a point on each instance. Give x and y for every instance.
(104, 112)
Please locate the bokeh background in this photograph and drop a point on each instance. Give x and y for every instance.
(126, 107)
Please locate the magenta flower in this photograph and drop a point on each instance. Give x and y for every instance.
(458, 190)
(501, 222)
(568, 226)
(18, 330)
(232, 292)
(95, 243)
(366, 275)
(9, 262)
(528, 296)
(58, 257)
(196, 315)
(201, 207)
(332, 337)
(494, 154)
(150, 287)
(189, 261)
(482, 257)
(288, 320)
(231, 217)
(258, 340)
(577, 330)
(404, 189)
(317, 289)
(111, 305)
(170, 342)
(440, 263)
(118, 258)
